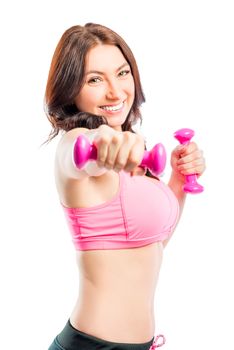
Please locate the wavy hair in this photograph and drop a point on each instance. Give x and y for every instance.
(66, 76)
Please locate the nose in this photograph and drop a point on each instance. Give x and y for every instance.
(114, 90)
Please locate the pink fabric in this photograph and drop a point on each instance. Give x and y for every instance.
(142, 212)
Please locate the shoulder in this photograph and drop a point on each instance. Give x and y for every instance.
(64, 165)
(66, 144)
(69, 137)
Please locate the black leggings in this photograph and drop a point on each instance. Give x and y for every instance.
(73, 339)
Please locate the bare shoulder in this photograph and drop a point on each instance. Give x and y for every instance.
(82, 191)
(69, 137)
(89, 192)
(64, 165)
(66, 175)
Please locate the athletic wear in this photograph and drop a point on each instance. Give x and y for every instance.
(142, 212)
(71, 338)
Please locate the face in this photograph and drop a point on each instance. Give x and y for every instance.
(109, 86)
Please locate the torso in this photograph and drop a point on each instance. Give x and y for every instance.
(116, 287)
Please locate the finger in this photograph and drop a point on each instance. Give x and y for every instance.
(192, 169)
(122, 157)
(135, 155)
(113, 150)
(190, 147)
(179, 150)
(191, 164)
(198, 154)
(102, 141)
(198, 171)
(102, 150)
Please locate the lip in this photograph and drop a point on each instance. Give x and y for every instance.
(113, 105)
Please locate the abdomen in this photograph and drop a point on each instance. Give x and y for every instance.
(116, 293)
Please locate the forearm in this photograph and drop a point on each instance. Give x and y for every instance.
(176, 185)
(185, 160)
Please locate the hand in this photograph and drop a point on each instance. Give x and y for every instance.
(118, 150)
(186, 160)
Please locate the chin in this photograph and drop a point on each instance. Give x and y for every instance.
(116, 121)
(117, 126)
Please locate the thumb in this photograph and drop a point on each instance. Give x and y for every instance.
(179, 150)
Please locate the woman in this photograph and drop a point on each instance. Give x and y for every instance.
(120, 222)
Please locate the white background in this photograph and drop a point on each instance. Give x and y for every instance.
(185, 54)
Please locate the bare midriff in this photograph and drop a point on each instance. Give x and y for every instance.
(116, 293)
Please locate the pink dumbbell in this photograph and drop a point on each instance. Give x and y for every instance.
(155, 159)
(191, 185)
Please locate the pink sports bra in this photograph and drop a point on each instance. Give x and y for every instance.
(142, 212)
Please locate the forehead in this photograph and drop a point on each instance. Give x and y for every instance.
(104, 58)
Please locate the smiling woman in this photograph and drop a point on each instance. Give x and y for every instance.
(108, 87)
(119, 223)
(74, 70)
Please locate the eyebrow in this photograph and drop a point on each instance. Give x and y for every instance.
(102, 73)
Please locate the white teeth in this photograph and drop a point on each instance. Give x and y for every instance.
(113, 108)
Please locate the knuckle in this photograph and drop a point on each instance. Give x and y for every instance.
(199, 170)
(120, 163)
(116, 139)
(193, 144)
(104, 140)
(140, 138)
(190, 148)
(133, 159)
(101, 160)
(127, 135)
(109, 162)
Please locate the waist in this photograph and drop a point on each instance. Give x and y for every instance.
(73, 338)
(120, 315)
(115, 324)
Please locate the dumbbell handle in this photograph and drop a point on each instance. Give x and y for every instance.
(191, 185)
(154, 160)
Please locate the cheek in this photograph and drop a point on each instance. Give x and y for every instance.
(93, 96)
(131, 88)
(87, 99)
(133, 91)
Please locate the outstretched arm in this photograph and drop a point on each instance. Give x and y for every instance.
(65, 155)
(115, 151)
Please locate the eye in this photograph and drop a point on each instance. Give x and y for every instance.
(124, 72)
(94, 80)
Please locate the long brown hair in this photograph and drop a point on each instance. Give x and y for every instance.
(66, 76)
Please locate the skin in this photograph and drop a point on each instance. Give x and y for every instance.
(116, 295)
(107, 84)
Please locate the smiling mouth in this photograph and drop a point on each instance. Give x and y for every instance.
(113, 108)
